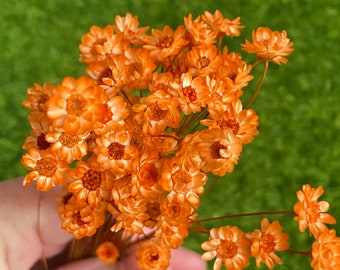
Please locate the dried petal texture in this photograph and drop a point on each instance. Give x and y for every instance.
(151, 255)
(326, 251)
(266, 241)
(90, 42)
(218, 150)
(108, 252)
(116, 153)
(191, 93)
(175, 177)
(141, 68)
(46, 170)
(199, 31)
(68, 147)
(128, 25)
(229, 246)
(171, 236)
(163, 44)
(132, 207)
(242, 122)
(38, 95)
(234, 71)
(269, 45)
(76, 105)
(86, 183)
(79, 218)
(156, 112)
(176, 209)
(222, 26)
(310, 212)
(203, 60)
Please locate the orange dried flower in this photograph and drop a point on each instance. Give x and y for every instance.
(46, 169)
(76, 105)
(266, 241)
(86, 183)
(151, 255)
(156, 112)
(326, 251)
(90, 42)
(128, 26)
(269, 45)
(165, 43)
(107, 252)
(79, 218)
(68, 147)
(199, 31)
(310, 212)
(222, 26)
(229, 246)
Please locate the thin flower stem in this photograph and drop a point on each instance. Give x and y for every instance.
(305, 253)
(279, 212)
(266, 64)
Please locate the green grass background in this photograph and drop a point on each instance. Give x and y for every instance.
(298, 104)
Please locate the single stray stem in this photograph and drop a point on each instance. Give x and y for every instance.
(279, 212)
(305, 253)
(257, 90)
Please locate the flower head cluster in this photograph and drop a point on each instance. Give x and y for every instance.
(310, 213)
(233, 247)
(137, 137)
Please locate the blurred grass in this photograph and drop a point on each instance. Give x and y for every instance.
(298, 105)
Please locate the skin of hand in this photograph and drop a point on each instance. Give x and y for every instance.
(30, 230)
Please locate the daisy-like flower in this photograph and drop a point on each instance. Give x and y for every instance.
(79, 218)
(192, 94)
(151, 255)
(68, 147)
(310, 212)
(199, 31)
(115, 151)
(175, 177)
(46, 170)
(242, 122)
(38, 95)
(165, 43)
(76, 105)
(326, 251)
(222, 26)
(218, 150)
(229, 246)
(171, 236)
(90, 41)
(156, 112)
(176, 209)
(203, 60)
(269, 45)
(141, 67)
(86, 183)
(128, 26)
(266, 241)
(108, 252)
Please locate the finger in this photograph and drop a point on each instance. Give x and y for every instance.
(90, 264)
(29, 227)
(183, 258)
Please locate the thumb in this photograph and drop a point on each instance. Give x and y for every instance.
(90, 264)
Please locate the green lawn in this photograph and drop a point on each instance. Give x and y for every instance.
(298, 104)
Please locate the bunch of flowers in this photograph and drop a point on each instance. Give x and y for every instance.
(134, 142)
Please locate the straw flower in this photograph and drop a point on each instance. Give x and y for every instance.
(229, 246)
(310, 212)
(326, 251)
(269, 45)
(266, 241)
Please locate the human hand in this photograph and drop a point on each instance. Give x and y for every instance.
(30, 230)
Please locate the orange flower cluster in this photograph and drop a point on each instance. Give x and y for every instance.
(311, 213)
(233, 248)
(135, 140)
